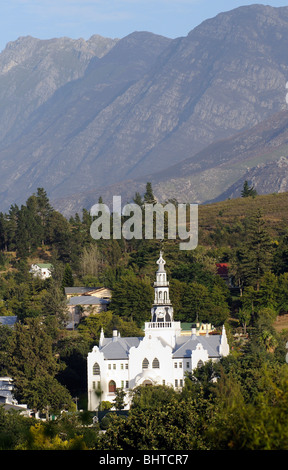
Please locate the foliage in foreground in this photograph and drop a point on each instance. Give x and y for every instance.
(240, 403)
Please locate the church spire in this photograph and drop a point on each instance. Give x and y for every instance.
(162, 310)
(161, 263)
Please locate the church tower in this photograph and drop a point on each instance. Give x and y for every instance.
(162, 310)
(162, 324)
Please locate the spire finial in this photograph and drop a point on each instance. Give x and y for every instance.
(161, 262)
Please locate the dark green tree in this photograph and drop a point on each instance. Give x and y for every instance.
(68, 280)
(55, 304)
(138, 199)
(132, 299)
(248, 191)
(255, 256)
(149, 197)
(14, 428)
(6, 337)
(174, 425)
(33, 364)
(119, 400)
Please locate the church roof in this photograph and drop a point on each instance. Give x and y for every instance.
(118, 348)
(185, 346)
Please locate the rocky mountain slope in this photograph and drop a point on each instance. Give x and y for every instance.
(143, 108)
(31, 70)
(258, 155)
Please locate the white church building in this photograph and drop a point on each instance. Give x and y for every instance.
(162, 357)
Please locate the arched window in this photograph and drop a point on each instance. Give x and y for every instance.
(112, 386)
(155, 363)
(165, 296)
(145, 363)
(200, 363)
(96, 369)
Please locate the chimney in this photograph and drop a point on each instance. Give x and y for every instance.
(114, 334)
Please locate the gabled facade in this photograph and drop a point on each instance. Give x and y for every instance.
(161, 357)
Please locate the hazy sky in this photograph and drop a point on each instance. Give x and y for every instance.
(111, 18)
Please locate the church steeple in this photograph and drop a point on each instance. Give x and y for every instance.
(162, 310)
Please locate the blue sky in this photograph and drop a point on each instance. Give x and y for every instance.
(45, 19)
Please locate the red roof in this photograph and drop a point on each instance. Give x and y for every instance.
(222, 268)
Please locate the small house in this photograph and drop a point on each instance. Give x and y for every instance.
(42, 270)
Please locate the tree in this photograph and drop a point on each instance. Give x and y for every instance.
(174, 425)
(248, 191)
(132, 298)
(68, 280)
(254, 423)
(12, 220)
(59, 236)
(145, 398)
(138, 199)
(54, 303)
(255, 256)
(72, 353)
(119, 400)
(90, 327)
(91, 261)
(34, 366)
(282, 297)
(245, 318)
(41, 438)
(149, 197)
(46, 394)
(195, 301)
(3, 232)
(13, 428)
(28, 233)
(6, 337)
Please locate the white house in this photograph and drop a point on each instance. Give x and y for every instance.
(42, 270)
(162, 356)
(7, 400)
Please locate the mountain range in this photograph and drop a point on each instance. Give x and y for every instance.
(195, 115)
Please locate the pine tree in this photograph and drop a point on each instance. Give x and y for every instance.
(248, 190)
(138, 199)
(68, 280)
(256, 254)
(149, 197)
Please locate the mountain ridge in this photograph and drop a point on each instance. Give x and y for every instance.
(150, 106)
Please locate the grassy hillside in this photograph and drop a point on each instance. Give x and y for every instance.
(274, 208)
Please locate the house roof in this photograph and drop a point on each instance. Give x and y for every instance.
(79, 290)
(44, 265)
(87, 300)
(8, 320)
